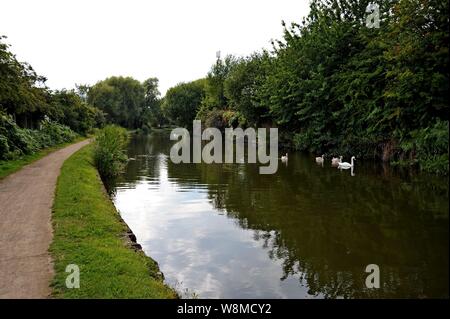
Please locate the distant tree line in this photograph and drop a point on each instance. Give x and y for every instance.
(128, 102)
(333, 85)
(33, 117)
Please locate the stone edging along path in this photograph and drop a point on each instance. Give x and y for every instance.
(26, 199)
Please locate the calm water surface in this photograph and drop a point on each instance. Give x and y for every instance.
(225, 231)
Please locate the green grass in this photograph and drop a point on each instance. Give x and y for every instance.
(12, 166)
(88, 232)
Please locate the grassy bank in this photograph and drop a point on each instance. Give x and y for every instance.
(11, 166)
(88, 232)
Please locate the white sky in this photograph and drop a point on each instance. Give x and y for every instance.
(84, 41)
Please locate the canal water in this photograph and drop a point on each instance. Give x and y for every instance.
(308, 231)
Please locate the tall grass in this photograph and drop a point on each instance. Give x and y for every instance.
(110, 151)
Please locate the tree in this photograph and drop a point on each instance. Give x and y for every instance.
(214, 84)
(153, 114)
(23, 93)
(121, 98)
(72, 111)
(182, 102)
(334, 85)
(243, 88)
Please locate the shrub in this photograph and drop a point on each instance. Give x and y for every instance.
(56, 133)
(109, 151)
(219, 118)
(16, 141)
(431, 147)
(4, 147)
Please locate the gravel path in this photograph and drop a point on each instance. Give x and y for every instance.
(26, 199)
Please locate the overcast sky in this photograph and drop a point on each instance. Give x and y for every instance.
(84, 41)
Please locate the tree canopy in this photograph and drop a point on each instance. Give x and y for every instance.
(121, 98)
(332, 84)
(182, 102)
(336, 85)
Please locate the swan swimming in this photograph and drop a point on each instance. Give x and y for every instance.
(335, 161)
(347, 165)
(284, 158)
(320, 159)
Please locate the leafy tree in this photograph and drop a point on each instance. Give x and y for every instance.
(182, 102)
(22, 92)
(243, 88)
(72, 111)
(333, 85)
(341, 87)
(121, 98)
(152, 106)
(214, 84)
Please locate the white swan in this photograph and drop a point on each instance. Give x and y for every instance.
(335, 161)
(347, 165)
(284, 158)
(320, 159)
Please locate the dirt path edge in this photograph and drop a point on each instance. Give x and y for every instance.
(26, 199)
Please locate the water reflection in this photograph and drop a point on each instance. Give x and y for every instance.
(224, 230)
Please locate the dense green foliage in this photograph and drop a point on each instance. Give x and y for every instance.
(21, 89)
(182, 102)
(333, 85)
(153, 115)
(110, 150)
(88, 232)
(243, 86)
(121, 98)
(16, 141)
(25, 96)
(72, 111)
(127, 102)
(32, 117)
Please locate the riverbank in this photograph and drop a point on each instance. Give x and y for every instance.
(89, 232)
(12, 166)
